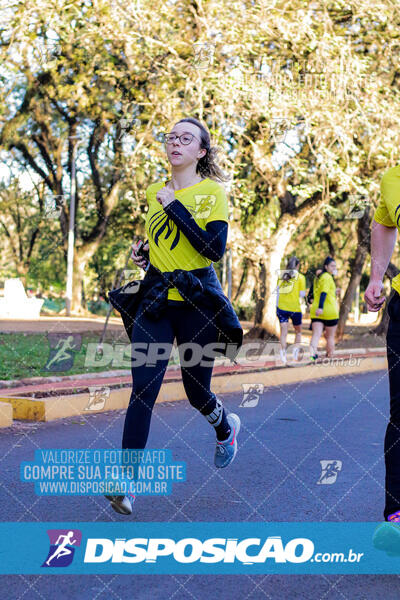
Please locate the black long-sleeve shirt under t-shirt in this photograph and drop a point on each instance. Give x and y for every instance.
(322, 300)
(211, 242)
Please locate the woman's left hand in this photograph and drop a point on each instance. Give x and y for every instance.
(165, 196)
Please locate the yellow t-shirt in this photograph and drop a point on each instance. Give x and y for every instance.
(169, 248)
(289, 293)
(325, 283)
(388, 209)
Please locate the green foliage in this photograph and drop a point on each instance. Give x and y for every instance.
(75, 68)
(244, 313)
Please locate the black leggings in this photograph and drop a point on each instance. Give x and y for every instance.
(187, 324)
(392, 438)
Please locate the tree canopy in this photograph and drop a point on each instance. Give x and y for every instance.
(301, 97)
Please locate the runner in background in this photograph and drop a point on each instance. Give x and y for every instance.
(311, 291)
(324, 311)
(291, 287)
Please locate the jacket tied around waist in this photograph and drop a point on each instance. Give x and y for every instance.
(199, 288)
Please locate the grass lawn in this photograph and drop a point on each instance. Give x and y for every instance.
(27, 355)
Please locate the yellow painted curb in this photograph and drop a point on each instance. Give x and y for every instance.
(29, 409)
(6, 415)
(289, 375)
(58, 407)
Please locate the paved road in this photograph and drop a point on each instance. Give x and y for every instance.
(274, 478)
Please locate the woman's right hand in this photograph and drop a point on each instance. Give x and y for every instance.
(140, 261)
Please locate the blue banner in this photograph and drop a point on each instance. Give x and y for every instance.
(90, 472)
(199, 548)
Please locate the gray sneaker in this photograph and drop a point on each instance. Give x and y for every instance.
(225, 451)
(121, 504)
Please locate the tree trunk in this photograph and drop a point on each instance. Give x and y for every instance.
(245, 295)
(81, 258)
(84, 303)
(265, 322)
(79, 271)
(260, 291)
(243, 278)
(363, 243)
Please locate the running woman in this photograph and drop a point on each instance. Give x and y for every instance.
(383, 238)
(186, 226)
(310, 295)
(324, 311)
(291, 287)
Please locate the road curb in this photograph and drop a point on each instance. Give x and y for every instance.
(61, 406)
(269, 360)
(6, 414)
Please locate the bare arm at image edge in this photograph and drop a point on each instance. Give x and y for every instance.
(383, 240)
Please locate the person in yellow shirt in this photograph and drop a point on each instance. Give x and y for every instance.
(291, 287)
(187, 226)
(384, 228)
(169, 248)
(324, 310)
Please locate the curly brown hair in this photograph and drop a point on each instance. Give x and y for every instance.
(207, 166)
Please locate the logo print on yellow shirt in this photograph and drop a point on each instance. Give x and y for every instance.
(398, 216)
(160, 222)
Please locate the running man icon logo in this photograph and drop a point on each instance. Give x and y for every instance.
(251, 394)
(358, 204)
(62, 542)
(128, 129)
(47, 53)
(329, 471)
(129, 283)
(53, 206)
(204, 204)
(203, 55)
(285, 286)
(62, 349)
(279, 127)
(97, 397)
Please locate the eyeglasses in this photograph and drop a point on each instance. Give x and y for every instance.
(184, 139)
